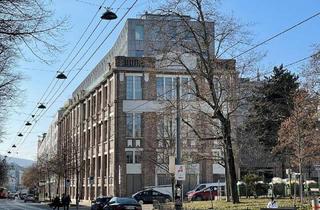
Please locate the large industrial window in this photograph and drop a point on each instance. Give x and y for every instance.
(129, 156)
(134, 89)
(133, 125)
(166, 88)
(139, 32)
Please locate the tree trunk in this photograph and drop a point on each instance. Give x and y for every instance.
(58, 186)
(230, 160)
(227, 177)
(300, 180)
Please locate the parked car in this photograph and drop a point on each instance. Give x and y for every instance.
(11, 196)
(205, 194)
(120, 203)
(149, 195)
(100, 202)
(29, 198)
(202, 186)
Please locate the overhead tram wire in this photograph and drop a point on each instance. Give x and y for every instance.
(82, 35)
(255, 46)
(269, 39)
(44, 111)
(80, 59)
(78, 52)
(68, 72)
(277, 35)
(140, 105)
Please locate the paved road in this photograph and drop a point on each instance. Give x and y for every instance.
(20, 205)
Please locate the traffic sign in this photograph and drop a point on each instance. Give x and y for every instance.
(91, 180)
(180, 172)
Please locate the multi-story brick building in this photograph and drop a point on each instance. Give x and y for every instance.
(110, 131)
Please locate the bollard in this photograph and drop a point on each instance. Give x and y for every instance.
(315, 204)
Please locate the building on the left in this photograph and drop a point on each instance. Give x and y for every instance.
(48, 162)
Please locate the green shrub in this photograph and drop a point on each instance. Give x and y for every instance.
(279, 189)
(262, 189)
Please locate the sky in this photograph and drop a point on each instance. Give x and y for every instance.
(265, 17)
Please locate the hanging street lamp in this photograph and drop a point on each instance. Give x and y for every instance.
(41, 106)
(61, 75)
(108, 15)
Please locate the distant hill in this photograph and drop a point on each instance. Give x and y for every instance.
(19, 161)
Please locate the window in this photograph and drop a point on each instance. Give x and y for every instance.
(129, 124)
(93, 105)
(139, 32)
(133, 156)
(129, 143)
(138, 143)
(106, 95)
(133, 123)
(89, 104)
(134, 89)
(99, 101)
(139, 53)
(129, 156)
(137, 156)
(166, 88)
(155, 193)
(160, 86)
(84, 111)
(166, 126)
(187, 88)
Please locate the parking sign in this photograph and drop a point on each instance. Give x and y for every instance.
(180, 172)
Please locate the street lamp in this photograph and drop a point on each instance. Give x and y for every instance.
(61, 75)
(28, 123)
(14, 146)
(108, 15)
(41, 106)
(20, 134)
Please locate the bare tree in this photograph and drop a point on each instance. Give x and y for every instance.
(26, 27)
(29, 24)
(195, 39)
(3, 172)
(31, 179)
(299, 133)
(311, 71)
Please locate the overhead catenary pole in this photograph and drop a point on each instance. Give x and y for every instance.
(178, 190)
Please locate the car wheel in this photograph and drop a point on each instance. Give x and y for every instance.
(140, 202)
(198, 198)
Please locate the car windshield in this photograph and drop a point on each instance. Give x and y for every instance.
(200, 187)
(102, 200)
(127, 200)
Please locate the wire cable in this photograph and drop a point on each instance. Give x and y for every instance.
(129, 9)
(276, 35)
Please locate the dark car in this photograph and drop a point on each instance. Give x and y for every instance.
(119, 203)
(205, 194)
(100, 202)
(29, 198)
(150, 195)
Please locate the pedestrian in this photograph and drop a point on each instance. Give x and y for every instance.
(66, 201)
(272, 204)
(63, 198)
(56, 203)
